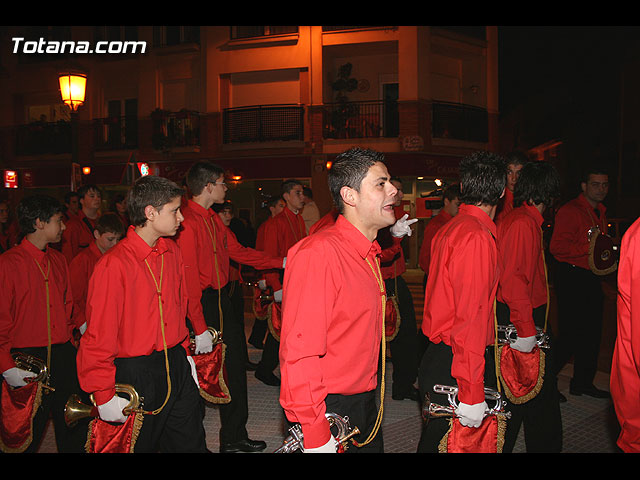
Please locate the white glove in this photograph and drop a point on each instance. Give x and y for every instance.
(402, 227)
(277, 296)
(204, 342)
(524, 344)
(16, 376)
(112, 410)
(471, 415)
(262, 284)
(284, 262)
(83, 328)
(194, 372)
(330, 447)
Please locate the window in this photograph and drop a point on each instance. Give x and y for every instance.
(260, 31)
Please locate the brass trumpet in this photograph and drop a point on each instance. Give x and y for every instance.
(34, 365)
(511, 335)
(294, 441)
(217, 337)
(433, 410)
(75, 410)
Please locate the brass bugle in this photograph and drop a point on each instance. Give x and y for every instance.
(217, 337)
(75, 410)
(434, 410)
(34, 365)
(294, 442)
(511, 335)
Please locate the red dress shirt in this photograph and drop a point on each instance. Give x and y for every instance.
(569, 241)
(77, 236)
(80, 270)
(286, 229)
(625, 367)
(505, 206)
(461, 288)
(325, 221)
(430, 230)
(523, 282)
(207, 265)
(23, 304)
(124, 318)
(331, 326)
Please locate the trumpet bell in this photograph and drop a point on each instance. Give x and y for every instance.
(75, 409)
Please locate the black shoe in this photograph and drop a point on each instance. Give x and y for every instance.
(411, 394)
(561, 398)
(591, 391)
(268, 378)
(256, 343)
(246, 446)
(250, 366)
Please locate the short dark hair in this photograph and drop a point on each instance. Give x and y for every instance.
(69, 195)
(82, 191)
(288, 185)
(273, 201)
(537, 183)
(110, 223)
(483, 177)
(307, 192)
(35, 207)
(150, 190)
(516, 157)
(202, 173)
(451, 192)
(349, 169)
(593, 168)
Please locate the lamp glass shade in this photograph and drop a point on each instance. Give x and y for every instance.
(72, 89)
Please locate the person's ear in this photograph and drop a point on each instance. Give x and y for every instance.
(349, 196)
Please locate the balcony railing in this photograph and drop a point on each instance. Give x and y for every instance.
(175, 129)
(263, 123)
(42, 138)
(460, 122)
(361, 119)
(116, 133)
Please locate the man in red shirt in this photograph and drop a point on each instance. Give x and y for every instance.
(578, 289)
(625, 379)
(523, 300)
(136, 328)
(109, 230)
(515, 161)
(459, 298)
(79, 232)
(451, 203)
(35, 317)
(207, 246)
(285, 230)
(333, 309)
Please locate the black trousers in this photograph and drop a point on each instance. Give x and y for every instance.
(236, 295)
(233, 415)
(404, 347)
(64, 378)
(178, 428)
(270, 355)
(362, 411)
(435, 368)
(540, 417)
(580, 309)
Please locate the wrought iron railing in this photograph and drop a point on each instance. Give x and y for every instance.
(175, 129)
(360, 119)
(460, 122)
(263, 123)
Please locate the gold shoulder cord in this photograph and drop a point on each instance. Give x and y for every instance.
(374, 431)
(213, 237)
(164, 341)
(291, 226)
(46, 286)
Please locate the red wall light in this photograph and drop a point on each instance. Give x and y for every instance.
(10, 179)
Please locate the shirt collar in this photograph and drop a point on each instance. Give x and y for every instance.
(585, 203)
(355, 237)
(479, 214)
(140, 248)
(199, 209)
(533, 212)
(35, 252)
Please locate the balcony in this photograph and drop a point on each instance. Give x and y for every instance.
(115, 133)
(175, 129)
(43, 138)
(460, 122)
(263, 123)
(360, 119)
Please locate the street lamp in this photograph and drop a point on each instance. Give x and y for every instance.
(73, 85)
